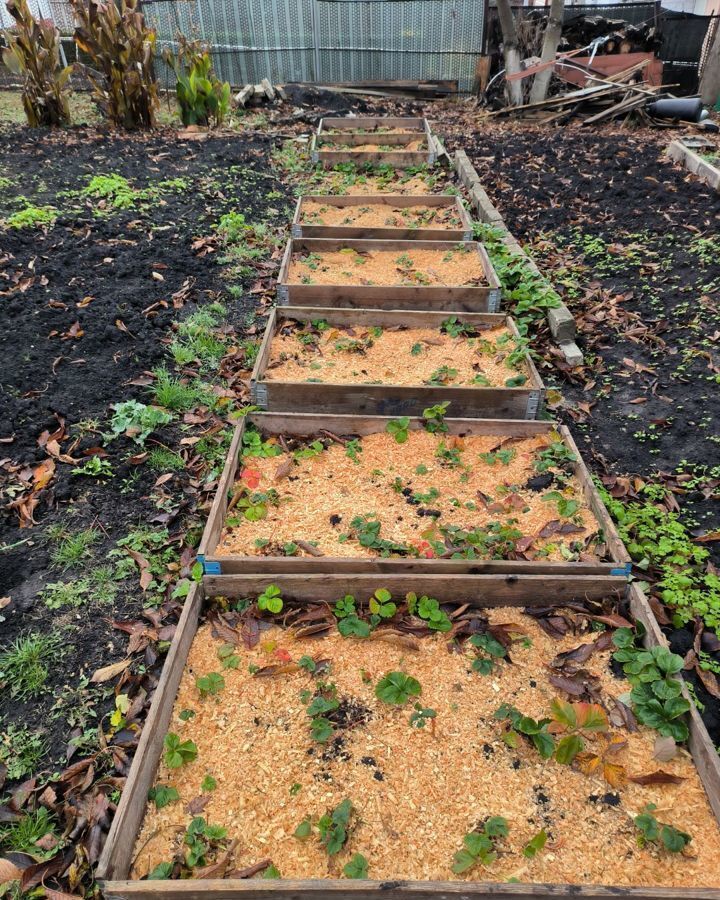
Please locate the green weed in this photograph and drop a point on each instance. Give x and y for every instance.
(21, 751)
(24, 663)
(72, 549)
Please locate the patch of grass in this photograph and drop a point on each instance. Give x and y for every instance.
(197, 338)
(177, 395)
(21, 750)
(23, 664)
(72, 549)
(163, 460)
(22, 836)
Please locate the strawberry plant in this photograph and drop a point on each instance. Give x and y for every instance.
(334, 827)
(177, 752)
(381, 604)
(396, 688)
(455, 328)
(398, 429)
(202, 839)
(535, 844)
(422, 716)
(656, 691)
(566, 507)
(210, 685)
(357, 867)
(650, 831)
(270, 600)
(434, 417)
(534, 730)
(479, 846)
(323, 702)
(428, 609)
(162, 795)
(576, 721)
(488, 650)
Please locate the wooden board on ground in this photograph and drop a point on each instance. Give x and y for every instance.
(461, 298)
(116, 862)
(461, 232)
(388, 399)
(611, 573)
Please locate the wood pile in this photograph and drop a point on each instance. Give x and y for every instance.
(623, 95)
(259, 94)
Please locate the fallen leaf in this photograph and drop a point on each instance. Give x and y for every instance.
(8, 871)
(108, 672)
(657, 777)
(665, 749)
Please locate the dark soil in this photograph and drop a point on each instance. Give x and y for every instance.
(129, 263)
(619, 230)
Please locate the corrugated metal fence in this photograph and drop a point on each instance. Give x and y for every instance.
(325, 41)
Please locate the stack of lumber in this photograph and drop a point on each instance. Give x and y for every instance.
(257, 94)
(623, 95)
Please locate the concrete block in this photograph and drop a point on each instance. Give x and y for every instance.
(562, 323)
(572, 353)
(485, 209)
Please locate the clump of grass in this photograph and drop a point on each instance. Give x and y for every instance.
(22, 836)
(164, 460)
(180, 396)
(197, 338)
(23, 664)
(73, 548)
(21, 750)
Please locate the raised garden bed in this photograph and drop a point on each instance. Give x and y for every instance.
(315, 747)
(413, 147)
(333, 494)
(394, 363)
(371, 124)
(397, 217)
(433, 275)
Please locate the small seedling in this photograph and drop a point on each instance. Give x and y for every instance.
(208, 784)
(434, 417)
(177, 752)
(210, 685)
(398, 429)
(381, 604)
(650, 831)
(535, 844)
(334, 826)
(162, 795)
(396, 688)
(270, 600)
(489, 650)
(357, 867)
(422, 716)
(428, 609)
(479, 846)
(228, 657)
(536, 731)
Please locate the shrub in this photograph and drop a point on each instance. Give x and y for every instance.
(34, 53)
(120, 45)
(203, 99)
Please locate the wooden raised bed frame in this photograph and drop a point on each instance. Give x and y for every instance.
(397, 158)
(355, 123)
(460, 298)
(594, 579)
(300, 229)
(115, 864)
(387, 399)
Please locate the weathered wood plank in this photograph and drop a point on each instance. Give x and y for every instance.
(117, 853)
(288, 889)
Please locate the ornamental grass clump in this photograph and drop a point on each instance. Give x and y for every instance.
(33, 52)
(120, 46)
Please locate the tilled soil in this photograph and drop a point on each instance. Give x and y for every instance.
(86, 309)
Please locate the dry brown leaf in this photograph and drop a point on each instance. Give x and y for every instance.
(8, 871)
(108, 672)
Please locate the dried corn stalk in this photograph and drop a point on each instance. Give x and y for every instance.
(33, 52)
(120, 45)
